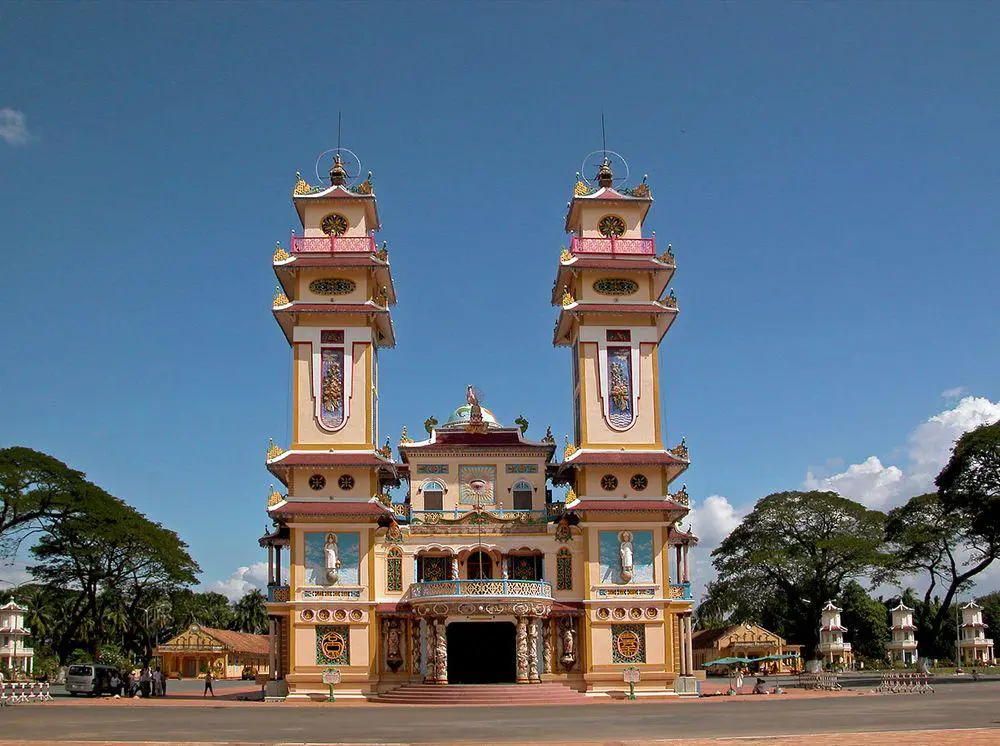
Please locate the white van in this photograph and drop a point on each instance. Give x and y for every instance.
(93, 679)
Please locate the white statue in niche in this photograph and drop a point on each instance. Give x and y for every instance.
(330, 551)
(625, 550)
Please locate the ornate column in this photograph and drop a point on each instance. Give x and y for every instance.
(277, 565)
(690, 646)
(547, 646)
(431, 676)
(414, 646)
(532, 625)
(681, 646)
(441, 652)
(687, 569)
(522, 651)
(270, 564)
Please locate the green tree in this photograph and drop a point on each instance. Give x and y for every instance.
(867, 622)
(208, 609)
(250, 613)
(35, 489)
(792, 554)
(991, 612)
(926, 536)
(114, 556)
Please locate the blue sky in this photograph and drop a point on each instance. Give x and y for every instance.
(828, 174)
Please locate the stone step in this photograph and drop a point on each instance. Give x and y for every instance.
(481, 694)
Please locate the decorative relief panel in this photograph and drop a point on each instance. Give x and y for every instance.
(332, 387)
(477, 484)
(334, 224)
(522, 468)
(628, 643)
(564, 570)
(616, 286)
(626, 556)
(611, 225)
(432, 468)
(332, 337)
(333, 646)
(332, 286)
(621, 412)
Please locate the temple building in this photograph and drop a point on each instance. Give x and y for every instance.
(903, 645)
(474, 574)
(747, 640)
(227, 654)
(18, 657)
(834, 652)
(974, 646)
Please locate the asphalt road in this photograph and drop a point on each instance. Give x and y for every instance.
(973, 706)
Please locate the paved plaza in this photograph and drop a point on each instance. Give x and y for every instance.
(969, 711)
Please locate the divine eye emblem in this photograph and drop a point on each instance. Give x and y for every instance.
(639, 482)
(611, 225)
(336, 224)
(609, 482)
(332, 286)
(478, 484)
(346, 482)
(317, 481)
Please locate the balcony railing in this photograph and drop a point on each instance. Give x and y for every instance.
(499, 588)
(277, 593)
(681, 591)
(614, 246)
(333, 244)
(448, 517)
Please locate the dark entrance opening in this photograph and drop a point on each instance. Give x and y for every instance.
(481, 653)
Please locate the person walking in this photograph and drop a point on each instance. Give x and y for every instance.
(163, 682)
(208, 684)
(145, 682)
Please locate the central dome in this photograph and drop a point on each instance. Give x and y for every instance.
(460, 418)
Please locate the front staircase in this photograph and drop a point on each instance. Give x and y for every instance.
(481, 694)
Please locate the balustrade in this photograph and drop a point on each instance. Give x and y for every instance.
(333, 244)
(444, 517)
(681, 591)
(612, 245)
(498, 588)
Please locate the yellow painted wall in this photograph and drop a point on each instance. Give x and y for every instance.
(591, 214)
(504, 481)
(356, 432)
(361, 293)
(353, 211)
(585, 286)
(598, 433)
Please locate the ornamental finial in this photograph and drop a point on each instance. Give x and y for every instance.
(280, 299)
(383, 252)
(605, 176)
(301, 185)
(273, 449)
(522, 423)
(274, 497)
(280, 255)
(667, 257)
(570, 496)
(404, 438)
(338, 174)
(567, 299)
(430, 423)
(549, 438)
(569, 449)
(565, 255)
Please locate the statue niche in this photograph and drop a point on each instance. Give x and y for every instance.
(625, 552)
(331, 554)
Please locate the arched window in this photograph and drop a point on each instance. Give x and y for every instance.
(394, 570)
(433, 493)
(523, 493)
(480, 566)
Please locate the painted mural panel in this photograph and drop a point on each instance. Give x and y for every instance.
(620, 410)
(619, 547)
(332, 558)
(477, 484)
(332, 387)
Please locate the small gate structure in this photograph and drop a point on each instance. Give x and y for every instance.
(904, 682)
(18, 692)
(824, 681)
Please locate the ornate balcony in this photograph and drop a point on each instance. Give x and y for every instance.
(614, 246)
(277, 593)
(333, 245)
(488, 521)
(490, 597)
(681, 591)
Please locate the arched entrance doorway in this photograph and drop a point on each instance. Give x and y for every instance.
(480, 566)
(481, 653)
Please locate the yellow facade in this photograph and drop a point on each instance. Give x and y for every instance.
(476, 575)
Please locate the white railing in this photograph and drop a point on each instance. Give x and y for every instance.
(499, 588)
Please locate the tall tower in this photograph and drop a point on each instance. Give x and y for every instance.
(614, 311)
(332, 304)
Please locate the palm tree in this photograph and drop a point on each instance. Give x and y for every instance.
(250, 614)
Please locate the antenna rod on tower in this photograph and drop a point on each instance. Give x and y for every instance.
(340, 115)
(604, 138)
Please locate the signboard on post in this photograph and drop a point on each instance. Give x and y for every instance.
(331, 676)
(631, 677)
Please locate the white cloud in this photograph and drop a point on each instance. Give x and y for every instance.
(953, 393)
(13, 127)
(13, 573)
(241, 582)
(712, 521)
(928, 450)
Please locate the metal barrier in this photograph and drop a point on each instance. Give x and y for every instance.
(904, 682)
(16, 692)
(825, 681)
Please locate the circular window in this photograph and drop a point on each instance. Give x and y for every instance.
(611, 225)
(346, 482)
(332, 286)
(336, 224)
(609, 482)
(639, 482)
(317, 481)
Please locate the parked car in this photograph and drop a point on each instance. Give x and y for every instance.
(93, 679)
